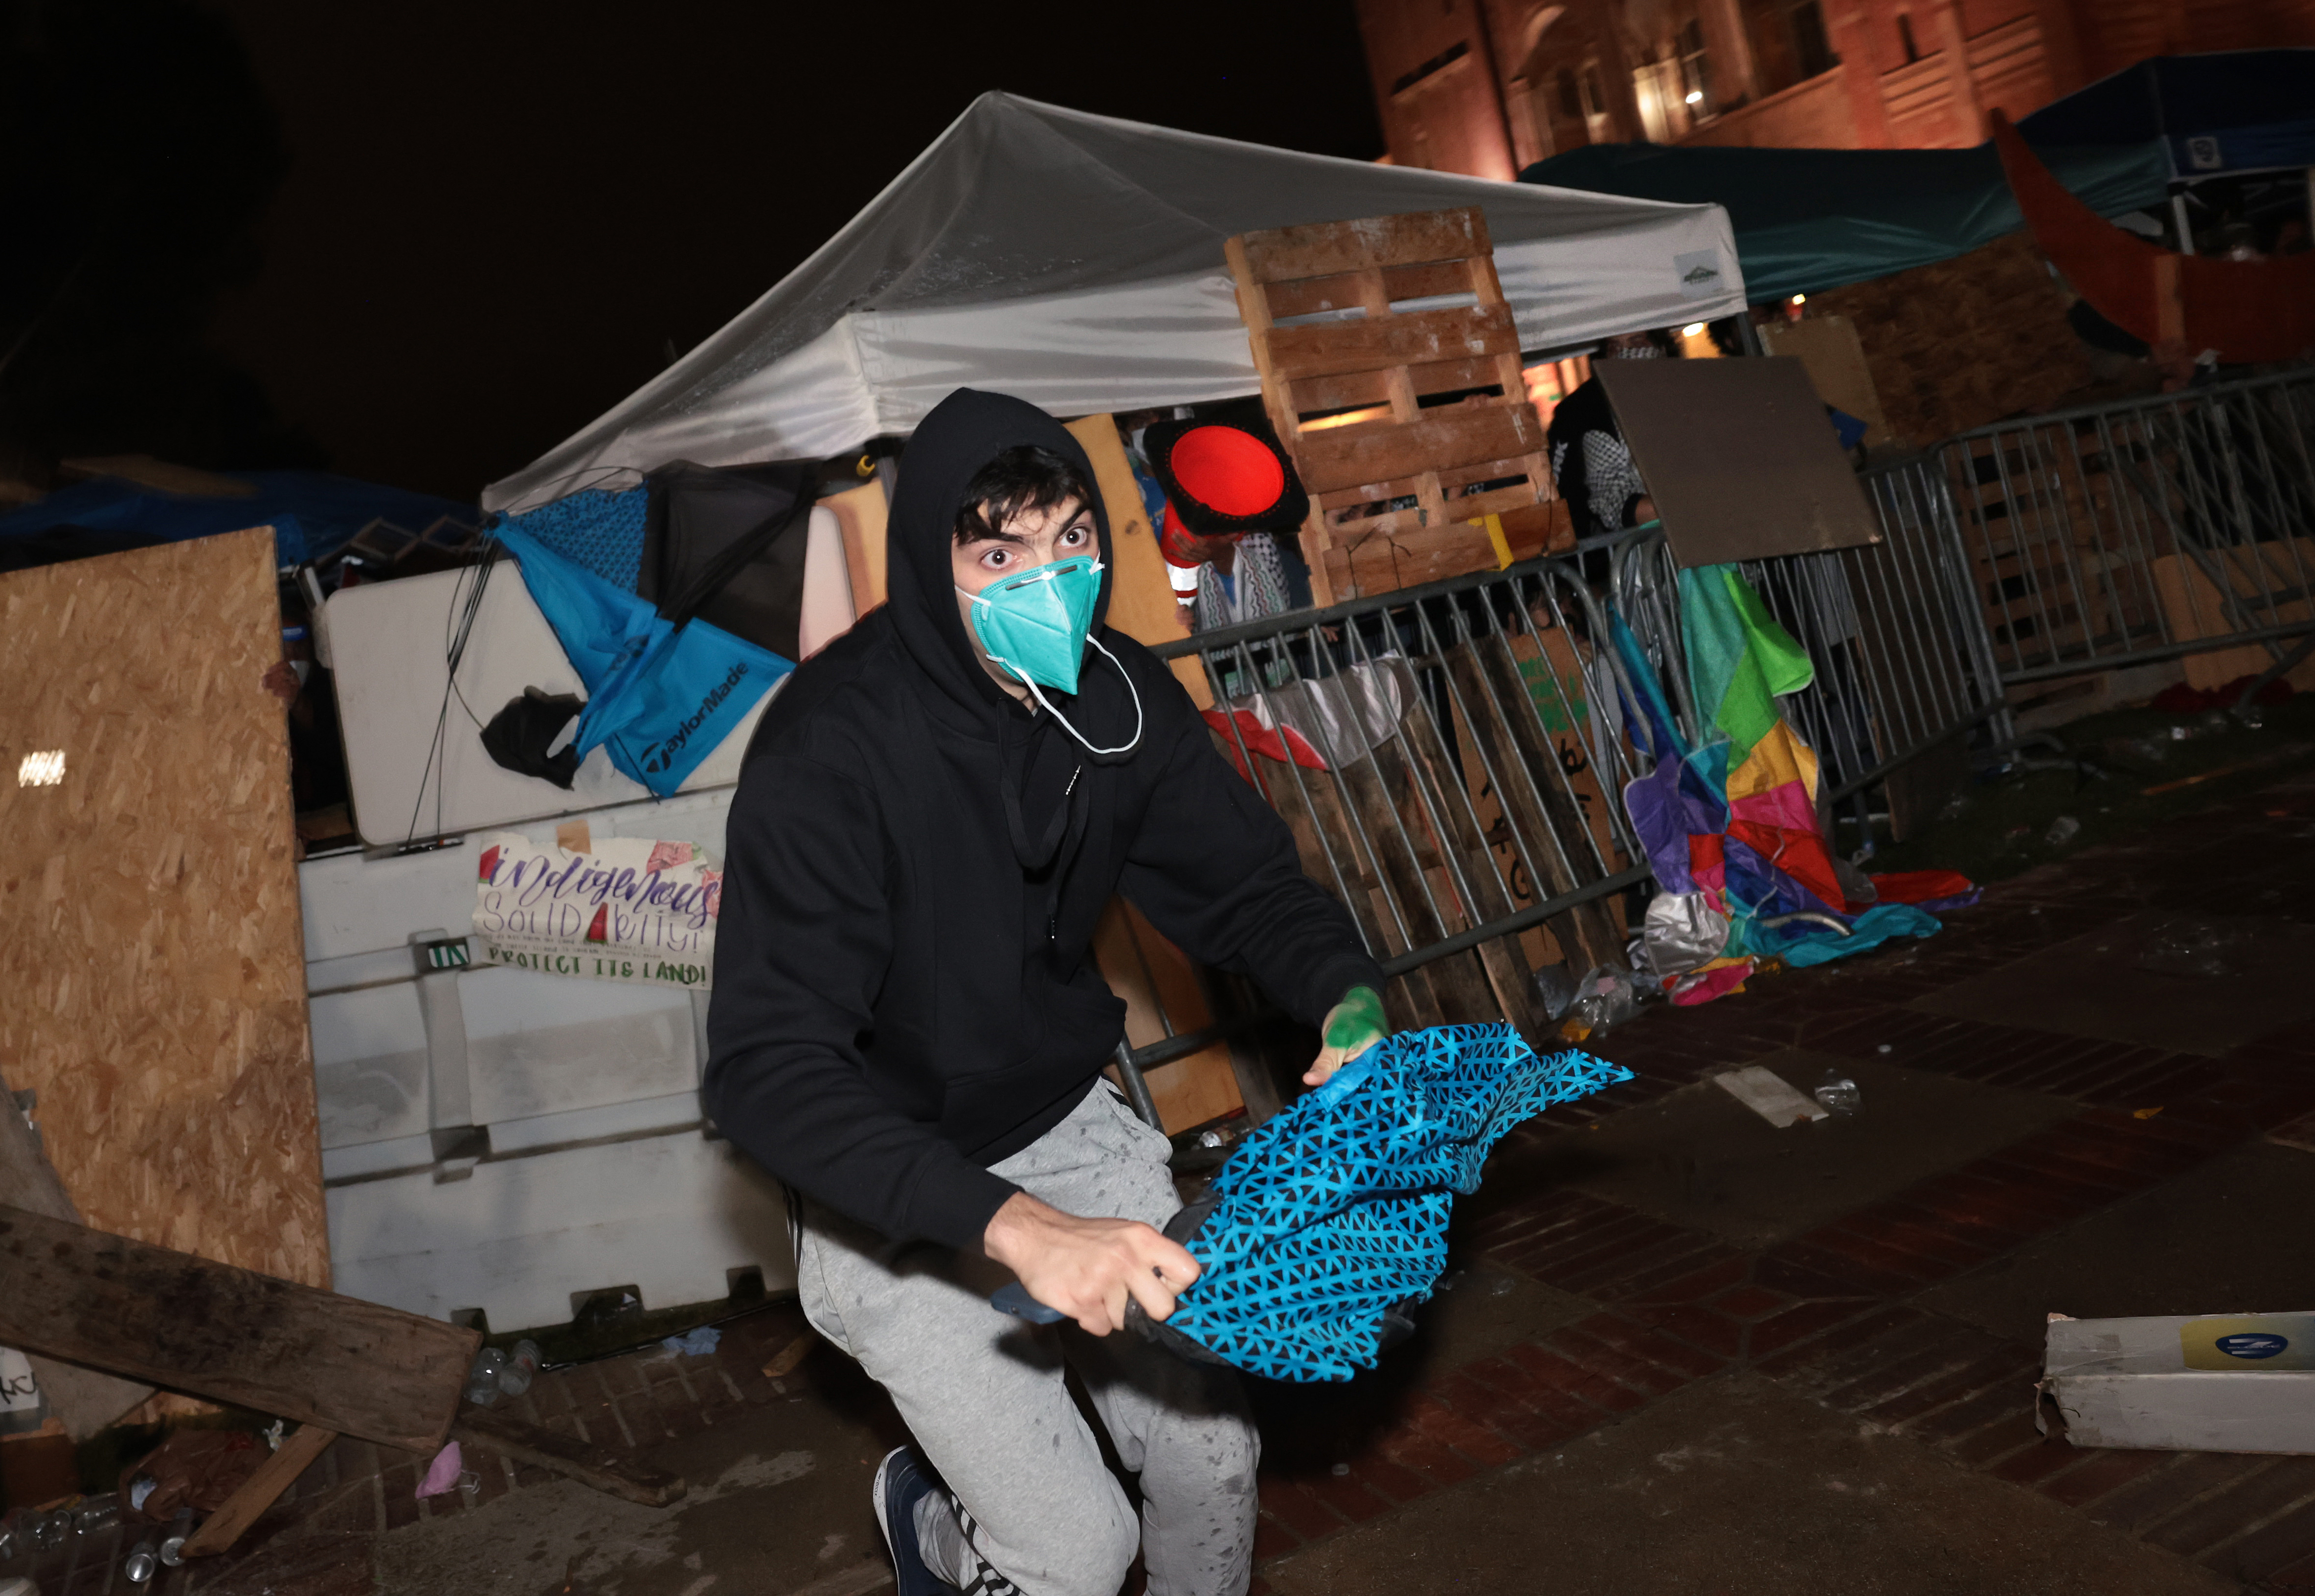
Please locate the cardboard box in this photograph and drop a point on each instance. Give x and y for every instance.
(2204, 1383)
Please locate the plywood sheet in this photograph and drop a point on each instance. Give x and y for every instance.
(152, 955)
(2191, 604)
(1141, 602)
(1739, 458)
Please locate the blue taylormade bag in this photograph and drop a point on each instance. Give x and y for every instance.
(659, 697)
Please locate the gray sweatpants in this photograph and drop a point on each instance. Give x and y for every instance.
(982, 1391)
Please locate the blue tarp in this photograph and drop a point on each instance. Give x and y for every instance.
(659, 697)
(312, 512)
(2229, 111)
(1810, 219)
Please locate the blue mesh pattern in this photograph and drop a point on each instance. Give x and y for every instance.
(603, 531)
(1336, 1208)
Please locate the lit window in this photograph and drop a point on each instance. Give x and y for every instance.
(41, 770)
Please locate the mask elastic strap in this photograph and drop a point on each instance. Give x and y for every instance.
(1125, 748)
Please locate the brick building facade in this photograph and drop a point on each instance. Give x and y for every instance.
(1488, 86)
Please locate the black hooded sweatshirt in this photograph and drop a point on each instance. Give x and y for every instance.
(901, 1001)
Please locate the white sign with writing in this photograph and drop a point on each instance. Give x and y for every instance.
(631, 909)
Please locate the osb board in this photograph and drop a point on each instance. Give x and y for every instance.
(153, 956)
(1146, 970)
(2190, 602)
(1141, 602)
(1963, 343)
(1834, 356)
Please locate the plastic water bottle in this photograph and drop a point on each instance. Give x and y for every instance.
(482, 1379)
(1838, 1095)
(521, 1367)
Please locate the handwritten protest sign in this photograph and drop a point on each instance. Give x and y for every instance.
(629, 909)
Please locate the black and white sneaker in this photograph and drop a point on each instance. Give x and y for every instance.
(902, 1481)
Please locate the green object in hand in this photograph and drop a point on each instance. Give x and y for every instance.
(1357, 1020)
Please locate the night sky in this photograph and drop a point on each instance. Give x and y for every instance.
(495, 220)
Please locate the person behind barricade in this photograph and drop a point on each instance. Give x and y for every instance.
(1589, 461)
(1227, 504)
(909, 1030)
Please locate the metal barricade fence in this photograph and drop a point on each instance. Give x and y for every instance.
(1902, 660)
(1450, 760)
(2142, 530)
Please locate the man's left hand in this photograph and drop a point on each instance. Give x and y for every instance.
(1353, 1026)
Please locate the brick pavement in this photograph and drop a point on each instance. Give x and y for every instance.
(1832, 1314)
(1829, 1314)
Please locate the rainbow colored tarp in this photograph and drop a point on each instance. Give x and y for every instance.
(1731, 827)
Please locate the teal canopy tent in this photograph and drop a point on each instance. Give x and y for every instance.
(1810, 219)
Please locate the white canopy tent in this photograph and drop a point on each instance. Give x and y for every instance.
(1076, 262)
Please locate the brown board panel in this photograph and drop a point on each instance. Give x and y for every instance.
(1444, 439)
(230, 1335)
(154, 952)
(1739, 458)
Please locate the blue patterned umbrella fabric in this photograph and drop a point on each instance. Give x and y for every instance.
(1333, 1212)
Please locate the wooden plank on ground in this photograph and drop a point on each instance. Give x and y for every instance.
(83, 1400)
(260, 1491)
(567, 1455)
(229, 1335)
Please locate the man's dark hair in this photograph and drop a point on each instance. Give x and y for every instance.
(1025, 477)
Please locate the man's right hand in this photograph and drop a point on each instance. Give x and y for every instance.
(1087, 1268)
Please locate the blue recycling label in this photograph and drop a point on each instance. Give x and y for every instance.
(2252, 1345)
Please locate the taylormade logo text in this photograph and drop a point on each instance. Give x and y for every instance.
(666, 752)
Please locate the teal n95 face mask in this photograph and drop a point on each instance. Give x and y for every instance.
(1036, 626)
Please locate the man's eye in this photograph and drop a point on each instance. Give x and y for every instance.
(1077, 535)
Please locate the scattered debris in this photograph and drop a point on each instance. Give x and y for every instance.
(1837, 1094)
(694, 1343)
(1768, 1094)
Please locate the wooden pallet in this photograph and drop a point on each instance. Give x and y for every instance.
(1345, 396)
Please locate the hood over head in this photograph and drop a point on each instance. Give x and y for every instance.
(963, 433)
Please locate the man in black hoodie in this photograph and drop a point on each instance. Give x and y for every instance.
(907, 1029)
